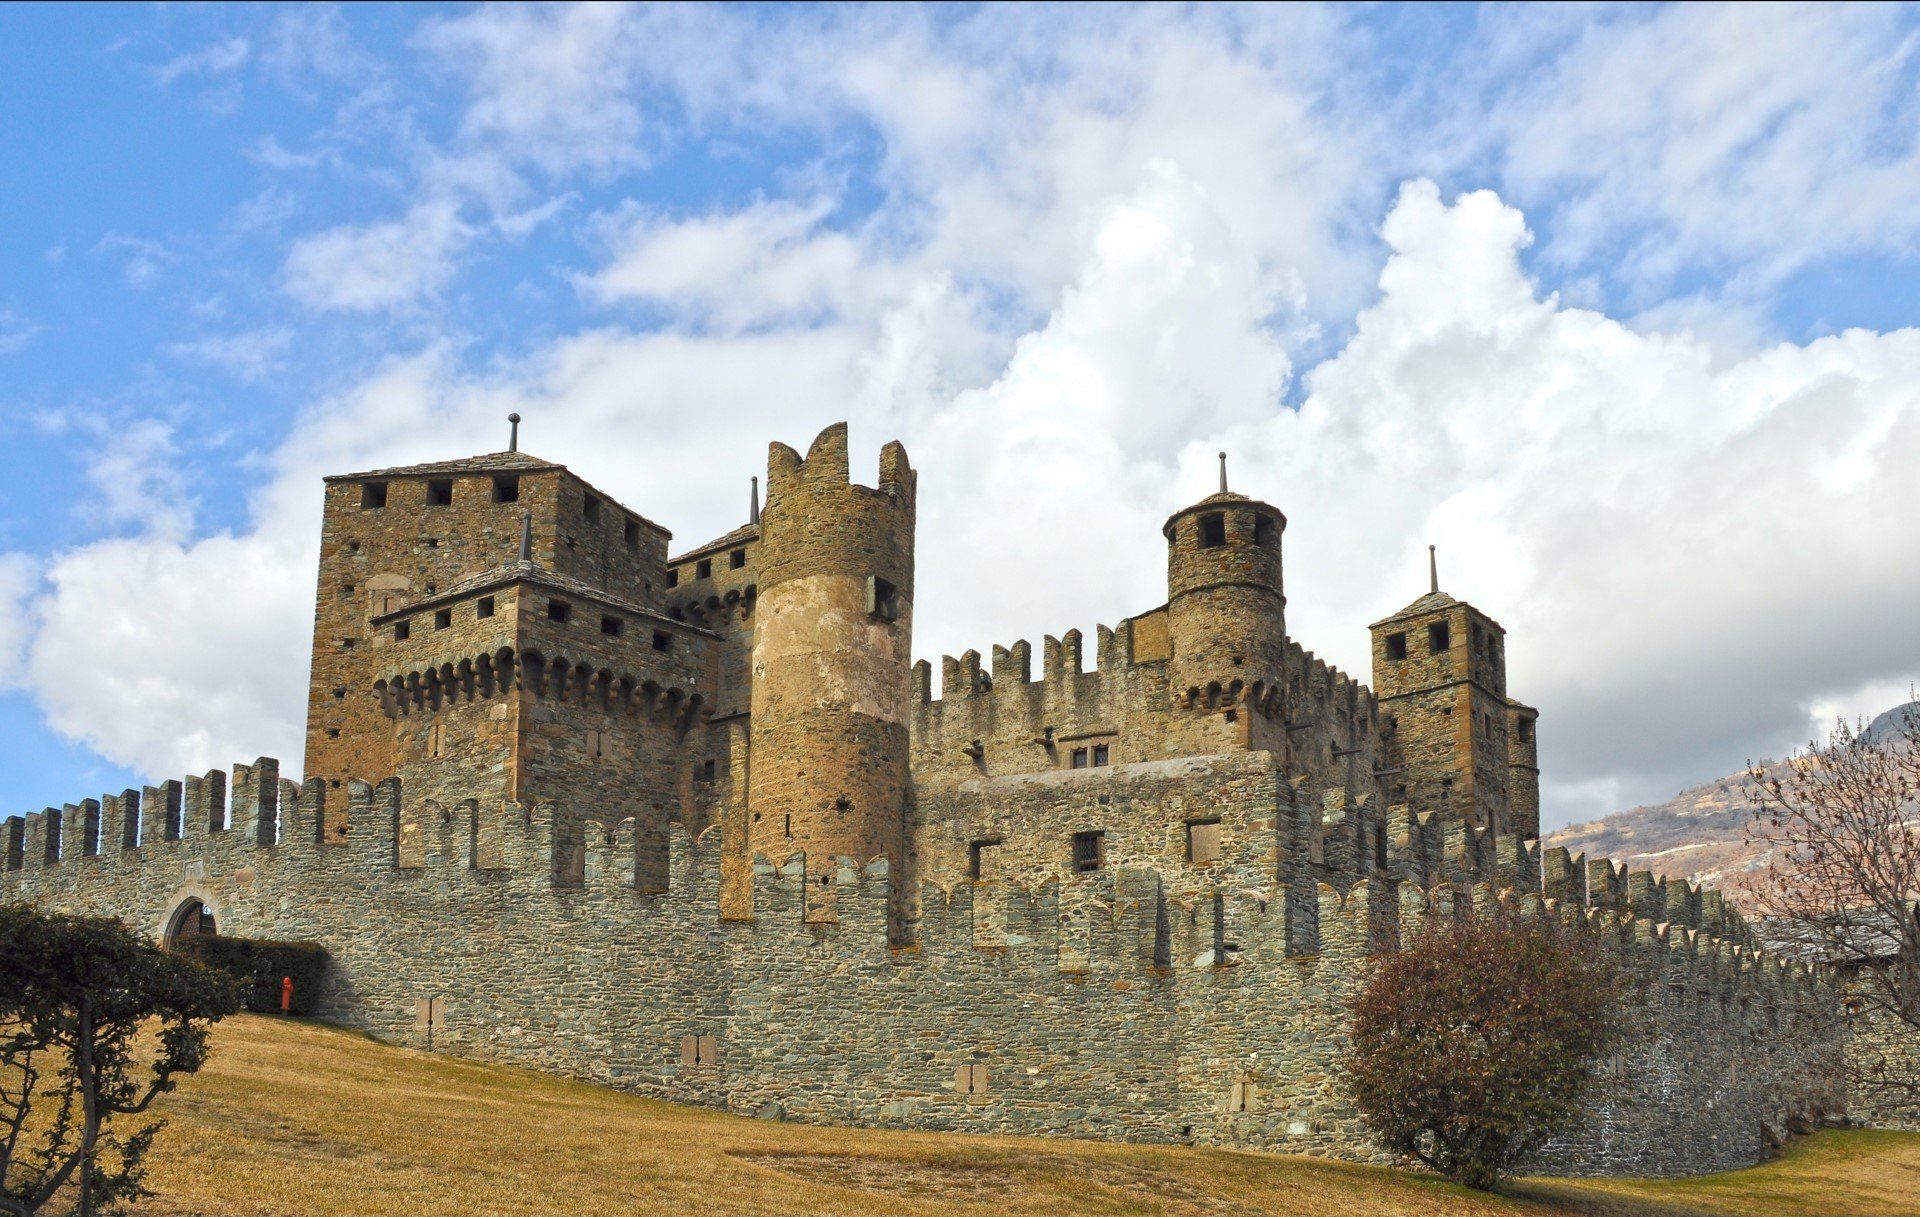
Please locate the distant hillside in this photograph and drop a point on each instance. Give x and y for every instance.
(1698, 834)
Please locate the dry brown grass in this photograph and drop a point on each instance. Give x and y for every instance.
(292, 1118)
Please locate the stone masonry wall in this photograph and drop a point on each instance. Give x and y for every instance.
(1130, 1003)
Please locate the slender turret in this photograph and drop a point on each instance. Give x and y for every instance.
(832, 660)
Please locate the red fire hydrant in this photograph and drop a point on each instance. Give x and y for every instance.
(286, 995)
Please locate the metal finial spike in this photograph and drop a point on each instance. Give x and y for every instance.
(513, 437)
(1433, 567)
(526, 536)
(753, 505)
(1223, 473)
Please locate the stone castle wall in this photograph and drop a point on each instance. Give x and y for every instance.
(1147, 1001)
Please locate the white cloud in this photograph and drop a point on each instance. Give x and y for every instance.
(144, 258)
(250, 356)
(1718, 137)
(215, 59)
(19, 577)
(382, 266)
(15, 331)
(136, 477)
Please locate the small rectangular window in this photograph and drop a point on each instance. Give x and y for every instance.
(1262, 530)
(737, 559)
(1439, 637)
(346, 591)
(439, 492)
(1203, 842)
(662, 640)
(591, 506)
(1079, 758)
(981, 859)
(703, 569)
(506, 488)
(632, 534)
(708, 771)
(373, 495)
(559, 610)
(673, 577)
(1089, 850)
(883, 599)
(610, 625)
(484, 608)
(1526, 730)
(1100, 754)
(1397, 645)
(1213, 530)
(971, 1078)
(402, 630)
(442, 618)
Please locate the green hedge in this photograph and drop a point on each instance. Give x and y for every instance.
(258, 964)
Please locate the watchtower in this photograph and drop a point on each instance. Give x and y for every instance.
(1440, 673)
(1226, 621)
(832, 666)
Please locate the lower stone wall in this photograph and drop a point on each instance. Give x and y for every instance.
(1119, 1004)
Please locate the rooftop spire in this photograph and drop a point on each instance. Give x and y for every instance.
(753, 505)
(1223, 473)
(526, 536)
(513, 436)
(1433, 568)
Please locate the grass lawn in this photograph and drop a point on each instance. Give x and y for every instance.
(294, 1118)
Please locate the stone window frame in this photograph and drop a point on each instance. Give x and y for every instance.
(373, 496)
(1439, 637)
(402, 630)
(630, 532)
(483, 608)
(1396, 646)
(697, 1050)
(443, 619)
(506, 488)
(558, 610)
(1078, 758)
(611, 625)
(439, 492)
(736, 559)
(1209, 843)
(673, 576)
(1089, 851)
(703, 569)
(596, 743)
(883, 599)
(590, 508)
(662, 641)
(1102, 756)
(437, 742)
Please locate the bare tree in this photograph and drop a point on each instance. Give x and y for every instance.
(1842, 830)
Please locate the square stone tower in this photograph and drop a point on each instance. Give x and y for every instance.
(439, 582)
(1440, 672)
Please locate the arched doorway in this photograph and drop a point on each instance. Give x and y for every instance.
(191, 920)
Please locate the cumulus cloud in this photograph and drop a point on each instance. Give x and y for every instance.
(378, 267)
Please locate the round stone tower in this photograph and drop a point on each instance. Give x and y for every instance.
(832, 666)
(1226, 619)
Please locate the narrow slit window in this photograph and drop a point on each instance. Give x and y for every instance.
(883, 599)
(439, 492)
(631, 533)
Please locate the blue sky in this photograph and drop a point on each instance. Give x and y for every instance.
(1614, 304)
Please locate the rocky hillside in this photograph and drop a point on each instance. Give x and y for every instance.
(1698, 834)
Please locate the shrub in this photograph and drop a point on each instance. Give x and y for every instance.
(1480, 1039)
(259, 964)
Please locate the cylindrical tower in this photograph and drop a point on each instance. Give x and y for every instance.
(832, 666)
(1226, 619)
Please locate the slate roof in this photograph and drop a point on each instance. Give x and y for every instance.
(740, 535)
(519, 571)
(488, 462)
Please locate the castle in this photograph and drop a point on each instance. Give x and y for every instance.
(698, 826)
